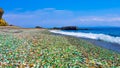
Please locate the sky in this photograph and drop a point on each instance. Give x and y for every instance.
(58, 13)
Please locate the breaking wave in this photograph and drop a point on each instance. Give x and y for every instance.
(102, 37)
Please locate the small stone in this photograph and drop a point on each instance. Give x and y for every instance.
(31, 65)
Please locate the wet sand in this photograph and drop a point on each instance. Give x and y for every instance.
(111, 46)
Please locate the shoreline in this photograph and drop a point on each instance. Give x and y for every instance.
(103, 44)
(107, 45)
(43, 47)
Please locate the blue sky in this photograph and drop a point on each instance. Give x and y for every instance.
(51, 13)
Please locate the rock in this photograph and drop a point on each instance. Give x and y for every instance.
(57, 28)
(1, 12)
(11, 25)
(69, 28)
(2, 21)
(38, 27)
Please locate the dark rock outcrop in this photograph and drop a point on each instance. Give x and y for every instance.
(2, 21)
(38, 27)
(57, 28)
(69, 28)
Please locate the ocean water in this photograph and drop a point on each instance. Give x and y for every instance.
(110, 34)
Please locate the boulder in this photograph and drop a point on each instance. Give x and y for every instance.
(69, 28)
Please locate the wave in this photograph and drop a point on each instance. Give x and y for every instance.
(102, 37)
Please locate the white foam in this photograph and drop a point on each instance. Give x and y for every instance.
(103, 37)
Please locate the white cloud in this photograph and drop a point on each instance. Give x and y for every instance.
(53, 17)
(100, 19)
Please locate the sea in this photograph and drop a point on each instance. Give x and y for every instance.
(106, 37)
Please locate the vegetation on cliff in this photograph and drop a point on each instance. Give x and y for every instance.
(3, 22)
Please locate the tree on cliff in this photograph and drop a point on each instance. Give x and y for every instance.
(2, 21)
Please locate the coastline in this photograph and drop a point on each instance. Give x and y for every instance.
(41, 48)
(105, 45)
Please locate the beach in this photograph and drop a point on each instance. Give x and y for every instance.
(110, 46)
(108, 38)
(31, 47)
(105, 45)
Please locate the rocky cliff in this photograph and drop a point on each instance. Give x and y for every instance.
(2, 21)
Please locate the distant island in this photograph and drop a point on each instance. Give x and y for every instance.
(69, 28)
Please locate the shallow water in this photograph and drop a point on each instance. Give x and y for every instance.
(110, 46)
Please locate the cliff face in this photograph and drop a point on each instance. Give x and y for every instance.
(2, 21)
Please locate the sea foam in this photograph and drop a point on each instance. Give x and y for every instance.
(102, 37)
